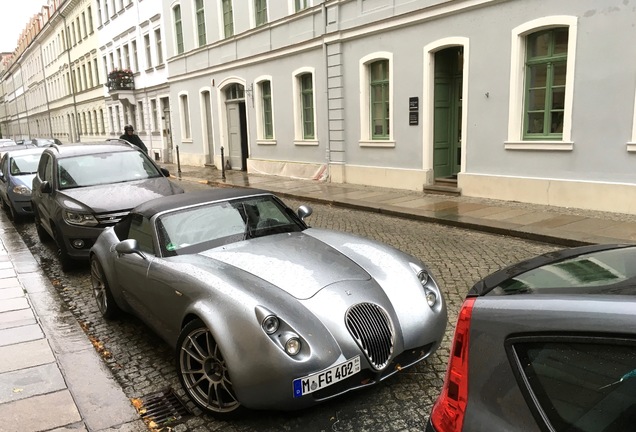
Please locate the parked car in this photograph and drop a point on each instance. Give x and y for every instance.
(17, 169)
(10, 145)
(79, 190)
(44, 142)
(548, 344)
(264, 311)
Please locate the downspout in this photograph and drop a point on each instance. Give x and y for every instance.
(326, 81)
(70, 67)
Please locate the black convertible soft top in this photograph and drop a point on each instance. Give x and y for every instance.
(157, 205)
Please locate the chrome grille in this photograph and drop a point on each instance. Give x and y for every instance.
(110, 219)
(371, 327)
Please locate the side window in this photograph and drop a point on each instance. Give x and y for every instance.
(141, 230)
(579, 383)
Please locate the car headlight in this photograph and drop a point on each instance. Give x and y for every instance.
(21, 190)
(270, 324)
(423, 277)
(292, 346)
(75, 218)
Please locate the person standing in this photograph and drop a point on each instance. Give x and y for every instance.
(130, 136)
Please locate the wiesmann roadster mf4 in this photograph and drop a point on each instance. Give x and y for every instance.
(264, 311)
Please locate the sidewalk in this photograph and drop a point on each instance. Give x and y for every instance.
(51, 377)
(558, 225)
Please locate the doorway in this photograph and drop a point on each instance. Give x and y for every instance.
(236, 127)
(447, 123)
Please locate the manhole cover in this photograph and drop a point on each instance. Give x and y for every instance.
(163, 408)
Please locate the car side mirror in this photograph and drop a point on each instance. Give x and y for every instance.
(304, 211)
(45, 187)
(128, 247)
(165, 172)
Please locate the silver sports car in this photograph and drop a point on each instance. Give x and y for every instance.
(264, 311)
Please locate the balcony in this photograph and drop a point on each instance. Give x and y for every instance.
(121, 86)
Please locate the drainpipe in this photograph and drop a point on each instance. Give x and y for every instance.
(326, 82)
(70, 67)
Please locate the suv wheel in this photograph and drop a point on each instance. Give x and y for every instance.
(65, 259)
(42, 234)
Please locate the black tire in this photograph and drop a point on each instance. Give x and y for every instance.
(206, 382)
(66, 262)
(101, 291)
(13, 215)
(42, 234)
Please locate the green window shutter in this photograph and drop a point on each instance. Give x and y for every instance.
(544, 108)
(307, 102)
(268, 119)
(379, 99)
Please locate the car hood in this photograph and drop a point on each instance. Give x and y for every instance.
(297, 263)
(118, 196)
(23, 180)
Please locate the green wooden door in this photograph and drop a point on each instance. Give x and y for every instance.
(448, 112)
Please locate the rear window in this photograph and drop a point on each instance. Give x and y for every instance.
(580, 384)
(585, 272)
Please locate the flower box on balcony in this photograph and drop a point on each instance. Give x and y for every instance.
(120, 79)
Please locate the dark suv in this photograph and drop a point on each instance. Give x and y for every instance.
(80, 189)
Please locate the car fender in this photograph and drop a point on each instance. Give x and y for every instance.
(259, 368)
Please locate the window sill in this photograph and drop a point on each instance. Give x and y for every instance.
(160, 66)
(266, 142)
(631, 147)
(186, 140)
(539, 145)
(306, 142)
(377, 143)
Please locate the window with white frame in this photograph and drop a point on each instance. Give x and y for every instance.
(148, 51)
(541, 84)
(178, 29)
(155, 119)
(300, 5)
(200, 19)
(304, 108)
(142, 120)
(260, 12)
(135, 56)
(228, 19)
(185, 117)
(159, 47)
(376, 99)
(265, 114)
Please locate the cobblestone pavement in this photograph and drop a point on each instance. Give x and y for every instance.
(143, 364)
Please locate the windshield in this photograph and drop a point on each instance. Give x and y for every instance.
(104, 168)
(43, 142)
(196, 229)
(24, 164)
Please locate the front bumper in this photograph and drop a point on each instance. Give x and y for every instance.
(73, 234)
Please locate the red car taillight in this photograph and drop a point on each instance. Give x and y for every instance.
(448, 412)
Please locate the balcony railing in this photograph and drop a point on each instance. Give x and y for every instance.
(120, 80)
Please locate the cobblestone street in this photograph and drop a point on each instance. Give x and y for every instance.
(143, 364)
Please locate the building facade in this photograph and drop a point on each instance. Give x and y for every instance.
(528, 100)
(502, 99)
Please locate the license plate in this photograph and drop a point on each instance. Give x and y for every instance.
(320, 380)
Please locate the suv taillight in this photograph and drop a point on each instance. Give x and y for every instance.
(448, 412)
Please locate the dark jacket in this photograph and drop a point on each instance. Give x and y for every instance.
(135, 140)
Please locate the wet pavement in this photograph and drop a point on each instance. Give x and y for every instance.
(63, 366)
(558, 225)
(50, 374)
